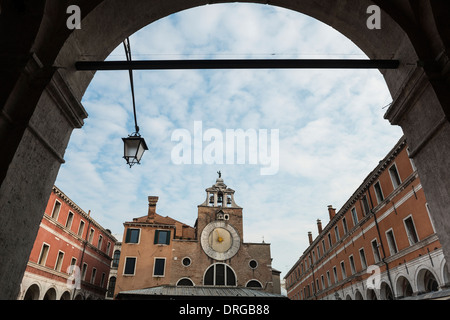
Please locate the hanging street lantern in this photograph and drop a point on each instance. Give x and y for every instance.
(134, 148)
(134, 145)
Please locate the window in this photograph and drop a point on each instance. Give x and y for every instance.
(411, 230)
(344, 273)
(43, 255)
(335, 274)
(162, 237)
(352, 264)
(108, 247)
(158, 267)
(429, 216)
(111, 287)
(186, 261)
(378, 192)
(102, 281)
(365, 205)
(254, 284)
(344, 224)
(354, 216)
(329, 240)
(69, 220)
(100, 242)
(362, 256)
(185, 282)
(94, 273)
(376, 252)
(130, 265)
(323, 281)
(413, 165)
(219, 274)
(83, 271)
(81, 228)
(73, 262)
(91, 235)
(55, 211)
(323, 246)
(59, 261)
(336, 233)
(328, 278)
(391, 242)
(395, 177)
(116, 258)
(132, 236)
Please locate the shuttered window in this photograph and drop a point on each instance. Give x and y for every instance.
(132, 236)
(162, 237)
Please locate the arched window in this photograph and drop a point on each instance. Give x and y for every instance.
(185, 282)
(254, 284)
(219, 274)
(116, 258)
(111, 287)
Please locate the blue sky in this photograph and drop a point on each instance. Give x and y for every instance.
(331, 127)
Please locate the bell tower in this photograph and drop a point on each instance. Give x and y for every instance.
(219, 195)
(219, 205)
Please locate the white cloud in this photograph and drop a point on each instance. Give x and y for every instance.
(332, 131)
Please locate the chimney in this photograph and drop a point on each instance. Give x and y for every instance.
(331, 211)
(152, 200)
(310, 237)
(319, 226)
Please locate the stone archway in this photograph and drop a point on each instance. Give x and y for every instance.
(65, 296)
(404, 288)
(386, 292)
(358, 295)
(41, 93)
(50, 294)
(426, 281)
(32, 293)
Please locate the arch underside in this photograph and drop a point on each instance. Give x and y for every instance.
(39, 54)
(107, 25)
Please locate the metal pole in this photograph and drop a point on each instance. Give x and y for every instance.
(127, 48)
(237, 64)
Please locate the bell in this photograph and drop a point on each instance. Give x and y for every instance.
(211, 199)
(220, 199)
(229, 201)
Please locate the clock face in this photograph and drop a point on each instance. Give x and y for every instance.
(220, 240)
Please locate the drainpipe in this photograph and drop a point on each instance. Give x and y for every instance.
(314, 280)
(84, 249)
(382, 245)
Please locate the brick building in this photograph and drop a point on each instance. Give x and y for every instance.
(164, 258)
(71, 255)
(381, 244)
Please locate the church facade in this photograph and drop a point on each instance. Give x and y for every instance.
(160, 254)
